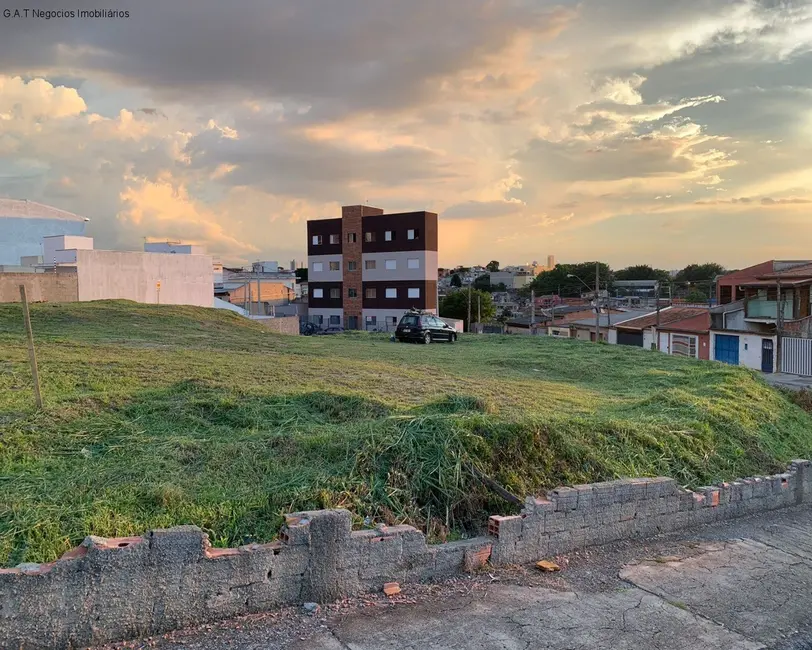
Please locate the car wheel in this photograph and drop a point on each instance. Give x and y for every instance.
(452, 338)
(427, 338)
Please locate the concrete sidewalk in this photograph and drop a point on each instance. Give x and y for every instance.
(741, 585)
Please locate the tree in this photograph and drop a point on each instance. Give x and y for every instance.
(492, 266)
(697, 295)
(699, 273)
(642, 272)
(455, 281)
(555, 280)
(483, 283)
(455, 305)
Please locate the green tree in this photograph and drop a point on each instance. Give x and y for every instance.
(483, 283)
(699, 273)
(642, 272)
(555, 280)
(492, 266)
(697, 295)
(455, 305)
(455, 281)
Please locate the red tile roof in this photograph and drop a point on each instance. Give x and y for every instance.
(699, 323)
(667, 316)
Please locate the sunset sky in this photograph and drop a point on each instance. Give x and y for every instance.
(633, 131)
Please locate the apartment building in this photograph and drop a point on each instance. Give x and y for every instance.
(366, 268)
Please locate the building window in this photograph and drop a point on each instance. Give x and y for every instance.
(352, 293)
(372, 320)
(316, 240)
(413, 234)
(318, 267)
(369, 265)
(335, 294)
(391, 265)
(351, 238)
(369, 237)
(335, 266)
(392, 320)
(318, 293)
(391, 293)
(352, 266)
(319, 320)
(414, 293)
(413, 263)
(371, 293)
(335, 320)
(389, 235)
(683, 346)
(335, 239)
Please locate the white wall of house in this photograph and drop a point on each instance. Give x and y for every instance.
(749, 348)
(560, 332)
(665, 342)
(649, 338)
(124, 275)
(612, 339)
(61, 248)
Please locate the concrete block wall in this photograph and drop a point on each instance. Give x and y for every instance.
(40, 287)
(112, 589)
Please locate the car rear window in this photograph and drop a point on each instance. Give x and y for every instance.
(409, 320)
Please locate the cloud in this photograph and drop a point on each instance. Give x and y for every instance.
(764, 201)
(482, 210)
(333, 58)
(570, 127)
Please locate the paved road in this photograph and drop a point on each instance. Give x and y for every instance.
(783, 380)
(741, 586)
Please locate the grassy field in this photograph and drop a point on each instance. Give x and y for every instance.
(158, 416)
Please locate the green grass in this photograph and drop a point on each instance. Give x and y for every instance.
(157, 416)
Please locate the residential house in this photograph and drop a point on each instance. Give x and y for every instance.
(689, 337)
(642, 332)
(583, 329)
(758, 304)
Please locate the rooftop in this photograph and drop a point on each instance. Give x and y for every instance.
(23, 208)
(613, 318)
(667, 316)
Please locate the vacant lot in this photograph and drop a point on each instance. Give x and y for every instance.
(158, 416)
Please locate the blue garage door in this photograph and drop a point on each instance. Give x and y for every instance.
(727, 349)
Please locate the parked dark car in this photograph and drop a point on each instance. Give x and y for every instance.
(418, 327)
(335, 329)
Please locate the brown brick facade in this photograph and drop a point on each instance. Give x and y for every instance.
(352, 224)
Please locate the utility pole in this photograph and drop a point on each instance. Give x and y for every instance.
(32, 357)
(469, 308)
(259, 295)
(657, 298)
(479, 308)
(532, 310)
(597, 303)
(779, 329)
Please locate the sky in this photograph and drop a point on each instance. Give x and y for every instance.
(630, 131)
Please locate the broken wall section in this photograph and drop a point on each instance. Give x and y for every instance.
(111, 589)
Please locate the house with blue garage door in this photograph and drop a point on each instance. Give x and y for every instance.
(755, 306)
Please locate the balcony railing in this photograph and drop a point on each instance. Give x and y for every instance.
(768, 309)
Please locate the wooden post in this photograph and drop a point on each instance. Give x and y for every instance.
(32, 357)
